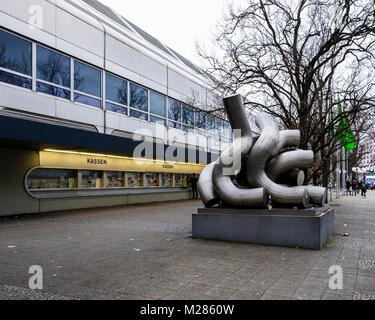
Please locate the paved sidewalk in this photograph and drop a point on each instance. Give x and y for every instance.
(146, 252)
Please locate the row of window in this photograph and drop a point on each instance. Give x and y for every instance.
(61, 76)
(44, 179)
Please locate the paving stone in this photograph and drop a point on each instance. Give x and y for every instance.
(146, 252)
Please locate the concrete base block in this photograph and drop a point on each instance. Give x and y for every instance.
(310, 228)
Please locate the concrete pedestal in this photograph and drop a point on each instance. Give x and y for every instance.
(310, 228)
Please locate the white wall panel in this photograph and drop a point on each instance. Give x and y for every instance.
(26, 100)
(79, 33)
(21, 9)
(131, 59)
(21, 27)
(80, 113)
(186, 87)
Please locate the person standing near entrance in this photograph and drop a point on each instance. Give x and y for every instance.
(193, 180)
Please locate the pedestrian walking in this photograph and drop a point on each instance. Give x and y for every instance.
(363, 189)
(354, 187)
(348, 185)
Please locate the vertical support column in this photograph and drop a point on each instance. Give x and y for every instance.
(160, 180)
(79, 179)
(173, 180)
(126, 181)
(104, 183)
(144, 179)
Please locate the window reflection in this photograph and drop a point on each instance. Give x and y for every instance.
(188, 115)
(15, 80)
(87, 100)
(157, 104)
(116, 108)
(15, 53)
(87, 79)
(53, 67)
(174, 125)
(138, 115)
(53, 91)
(138, 97)
(211, 122)
(200, 120)
(116, 89)
(174, 110)
(157, 120)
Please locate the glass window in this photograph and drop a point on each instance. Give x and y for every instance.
(115, 179)
(116, 89)
(188, 129)
(152, 179)
(157, 104)
(219, 125)
(174, 110)
(174, 125)
(52, 90)
(92, 179)
(138, 97)
(116, 108)
(181, 180)
(52, 179)
(87, 100)
(87, 79)
(135, 179)
(53, 67)
(157, 120)
(227, 129)
(200, 120)
(15, 53)
(211, 122)
(167, 180)
(15, 80)
(138, 115)
(188, 115)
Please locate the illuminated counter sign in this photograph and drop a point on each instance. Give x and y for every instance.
(97, 161)
(60, 159)
(168, 166)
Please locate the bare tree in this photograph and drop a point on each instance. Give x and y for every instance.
(293, 59)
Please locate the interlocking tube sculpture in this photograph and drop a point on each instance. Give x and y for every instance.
(270, 165)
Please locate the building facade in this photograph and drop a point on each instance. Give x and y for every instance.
(368, 159)
(96, 112)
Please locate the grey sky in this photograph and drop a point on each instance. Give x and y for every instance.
(176, 23)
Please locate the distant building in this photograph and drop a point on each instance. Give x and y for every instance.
(368, 159)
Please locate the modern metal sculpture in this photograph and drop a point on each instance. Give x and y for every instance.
(236, 198)
(271, 165)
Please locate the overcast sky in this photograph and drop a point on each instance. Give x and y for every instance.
(176, 23)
